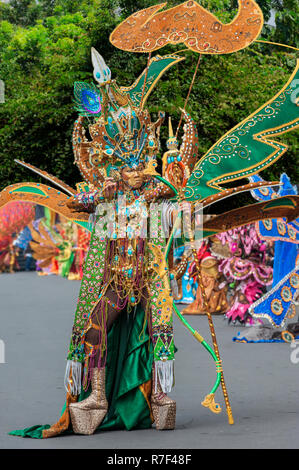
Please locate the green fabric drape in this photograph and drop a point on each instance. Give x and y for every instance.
(129, 365)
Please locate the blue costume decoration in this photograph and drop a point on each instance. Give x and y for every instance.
(278, 304)
(23, 239)
(188, 285)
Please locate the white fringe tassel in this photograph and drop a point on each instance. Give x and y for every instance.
(72, 378)
(164, 370)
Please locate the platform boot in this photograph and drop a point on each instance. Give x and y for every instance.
(87, 415)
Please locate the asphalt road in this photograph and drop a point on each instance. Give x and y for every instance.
(36, 315)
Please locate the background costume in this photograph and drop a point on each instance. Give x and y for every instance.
(215, 285)
(13, 219)
(246, 268)
(278, 304)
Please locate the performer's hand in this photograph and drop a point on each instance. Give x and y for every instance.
(78, 207)
(72, 205)
(109, 188)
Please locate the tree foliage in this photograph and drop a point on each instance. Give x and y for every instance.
(45, 48)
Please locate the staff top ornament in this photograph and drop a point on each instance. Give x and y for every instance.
(189, 23)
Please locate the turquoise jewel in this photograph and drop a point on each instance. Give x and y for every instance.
(132, 299)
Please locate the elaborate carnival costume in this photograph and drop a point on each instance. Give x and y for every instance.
(124, 274)
(59, 247)
(182, 284)
(80, 248)
(278, 304)
(13, 219)
(213, 283)
(22, 242)
(187, 288)
(246, 268)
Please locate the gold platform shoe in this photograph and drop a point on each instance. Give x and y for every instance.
(88, 414)
(163, 407)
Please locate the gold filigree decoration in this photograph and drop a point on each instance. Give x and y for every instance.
(189, 24)
(209, 402)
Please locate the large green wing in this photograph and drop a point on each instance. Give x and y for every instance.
(248, 148)
(157, 67)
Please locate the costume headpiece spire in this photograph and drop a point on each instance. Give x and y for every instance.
(170, 130)
(101, 72)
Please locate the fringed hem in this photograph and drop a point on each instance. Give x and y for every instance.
(165, 371)
(72, 378)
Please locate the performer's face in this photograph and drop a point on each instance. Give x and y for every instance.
(133, 177)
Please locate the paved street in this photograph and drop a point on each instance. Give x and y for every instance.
(36, 315)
